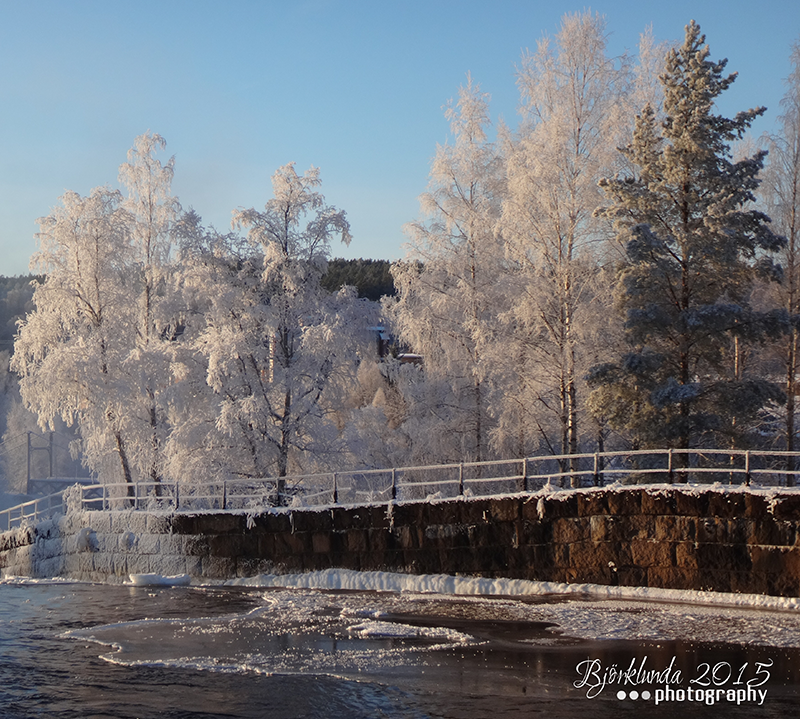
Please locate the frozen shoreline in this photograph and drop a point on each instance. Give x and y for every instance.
(482, 586)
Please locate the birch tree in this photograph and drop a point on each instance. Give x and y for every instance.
(449, 289)
(571, 94)
(152, 212)
(70, 351)
(279, 348)
(781, 191)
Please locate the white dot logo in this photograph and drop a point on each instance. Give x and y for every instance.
(633, 695)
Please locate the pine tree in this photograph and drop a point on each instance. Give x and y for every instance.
(694, 246)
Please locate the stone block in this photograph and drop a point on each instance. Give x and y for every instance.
(768, 560)
(321, 542)
(727, 505)
(573, 529)
(756, 506)
(561, 504)
(148, 544)
(712, 530)
(672, 577)
(608, 529)
(686, 555)
(377, 539)
(691, 504)
(666, 528)
(405, 537)
(218, 567)
(266, 546)
(631, 577)
(170, 564)
(312, 521)
(725, 557)
(221, 523)
(225, 545)
(625, 502)
(650, 554)
(787, 508)
(139, 564)
(685, 529)
(505, 510)
(135, 522)
(194, 566)
(379, 517)
(592, 503)
(288, 544)
(473, 511)
(101, 522)
(659, 502)
(588, 555)
(159, 523)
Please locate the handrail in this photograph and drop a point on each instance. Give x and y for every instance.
(378, 486)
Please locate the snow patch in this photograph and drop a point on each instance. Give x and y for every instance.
(159, 580)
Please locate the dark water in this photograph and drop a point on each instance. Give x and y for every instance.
(82, 650)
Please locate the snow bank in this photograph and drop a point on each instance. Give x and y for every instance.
(482, 586)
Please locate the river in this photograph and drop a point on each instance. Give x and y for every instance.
(77, 650)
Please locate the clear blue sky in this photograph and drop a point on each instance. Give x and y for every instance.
(240, 87)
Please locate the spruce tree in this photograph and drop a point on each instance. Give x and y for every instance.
(694, 246)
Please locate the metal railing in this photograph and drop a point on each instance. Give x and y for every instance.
(32, 512)
(447, 481)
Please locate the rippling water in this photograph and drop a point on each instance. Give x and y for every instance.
(82, 650)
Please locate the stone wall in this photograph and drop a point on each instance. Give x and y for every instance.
(727, 541)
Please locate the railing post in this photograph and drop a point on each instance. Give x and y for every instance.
(524, 474)
(669, 466)
(224, 494)
(596, 470)
(177, 495)
(747, 468)
(461, 479)
(394, 484)
(335, 488)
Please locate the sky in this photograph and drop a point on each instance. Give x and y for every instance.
(239, 88)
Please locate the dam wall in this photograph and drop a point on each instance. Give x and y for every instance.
(682, 537)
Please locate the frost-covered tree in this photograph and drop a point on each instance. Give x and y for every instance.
(280, 351)
(71, 350)
(781, 192)
(152, 212)
(694, 246)
(450, 289)
(93, 351)
(572, 92)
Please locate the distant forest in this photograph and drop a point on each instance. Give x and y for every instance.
(16, 294)
(372, 278)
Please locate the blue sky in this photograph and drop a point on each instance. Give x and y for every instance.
(239, 88)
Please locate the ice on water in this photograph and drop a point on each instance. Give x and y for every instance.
(344, 632)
